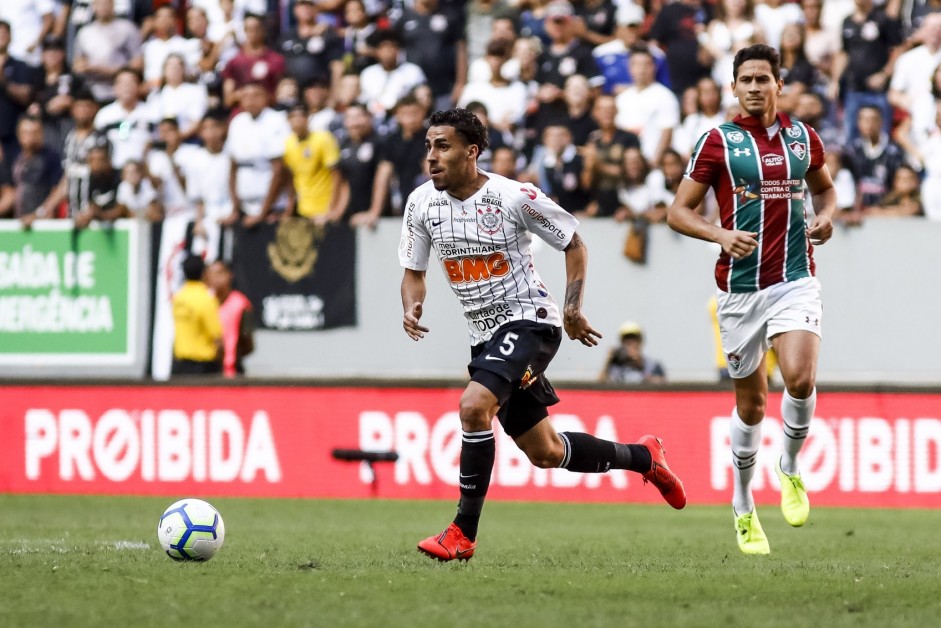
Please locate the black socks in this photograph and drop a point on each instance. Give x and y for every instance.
(478, 450)
(586, 454)
(583, 453)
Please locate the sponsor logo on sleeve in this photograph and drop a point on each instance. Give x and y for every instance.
(538, 217)
(736, 137)
(408, 240)
(529, 191)
(793, 131)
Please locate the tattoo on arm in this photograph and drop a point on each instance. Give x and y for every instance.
(573, 295)
(575, 243)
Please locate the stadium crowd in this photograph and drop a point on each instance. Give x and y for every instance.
(241, 111)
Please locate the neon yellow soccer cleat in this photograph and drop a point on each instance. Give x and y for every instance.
(751, 538)
(795, 506)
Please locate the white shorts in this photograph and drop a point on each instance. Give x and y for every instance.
(749, 320)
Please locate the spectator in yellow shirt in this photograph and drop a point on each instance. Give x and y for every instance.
(311, 174)
(197, 343)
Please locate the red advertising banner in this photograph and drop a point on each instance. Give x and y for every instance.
(864, 449)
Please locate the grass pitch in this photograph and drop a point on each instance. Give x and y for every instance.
(94, 561)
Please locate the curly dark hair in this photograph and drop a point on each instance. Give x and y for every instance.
(758, 52)
(465, 124)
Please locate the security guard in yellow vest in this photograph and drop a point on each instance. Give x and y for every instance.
(197, 343)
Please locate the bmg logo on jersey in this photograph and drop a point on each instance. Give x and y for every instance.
(476, 268)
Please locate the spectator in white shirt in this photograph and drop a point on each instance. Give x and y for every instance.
(104, 47)
(647, 108)
(316, 96)
(505, 100)
(208, 184)
(177, 98)
(641, 189)
(256, 147)
(911, 75)
(384, 83)
(168, 163)
(708, 115)
(30, 21)
(137, 193)
(165, 42)
(226, 16)
(126, 121)
(773, 15)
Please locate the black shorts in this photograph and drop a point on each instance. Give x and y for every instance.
(512, 366)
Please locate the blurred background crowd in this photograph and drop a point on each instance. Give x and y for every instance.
(239, 111)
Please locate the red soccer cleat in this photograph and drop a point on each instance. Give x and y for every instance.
(669, 485)
(449, 545)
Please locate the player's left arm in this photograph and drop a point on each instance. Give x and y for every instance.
(576, 268)
(824, 198)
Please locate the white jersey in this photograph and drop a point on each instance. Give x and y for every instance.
(484, 244)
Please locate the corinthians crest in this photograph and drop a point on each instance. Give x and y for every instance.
(489, 219)
(293, 252)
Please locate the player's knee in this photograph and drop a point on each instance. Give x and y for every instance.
(475, 416)
(751, 408)
(800, 385)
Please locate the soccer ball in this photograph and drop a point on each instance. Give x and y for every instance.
(190, 529)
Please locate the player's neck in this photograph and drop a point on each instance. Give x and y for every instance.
(766, 118)
(468, 189)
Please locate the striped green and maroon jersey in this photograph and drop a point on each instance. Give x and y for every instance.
(759, 184)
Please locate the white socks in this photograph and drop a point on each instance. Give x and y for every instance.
(745, 441)
(796, 415)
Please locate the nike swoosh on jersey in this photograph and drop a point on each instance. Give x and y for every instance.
(493, 357)
(435, 223)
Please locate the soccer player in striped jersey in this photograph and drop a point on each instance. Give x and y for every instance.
(768, 295)
(481, 226)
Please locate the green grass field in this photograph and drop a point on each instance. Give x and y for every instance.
(94, 561)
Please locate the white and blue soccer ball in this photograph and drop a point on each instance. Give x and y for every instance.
(191, 529)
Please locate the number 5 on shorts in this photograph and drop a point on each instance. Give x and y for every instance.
(507, 346)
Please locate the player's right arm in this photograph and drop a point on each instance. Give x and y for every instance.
(704, 165)
(683, 218)
(413, 296)
(414, 251)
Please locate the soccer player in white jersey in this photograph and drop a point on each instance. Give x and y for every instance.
(481, 225)
(767, 292)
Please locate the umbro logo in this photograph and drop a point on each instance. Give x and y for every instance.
(493, 357)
